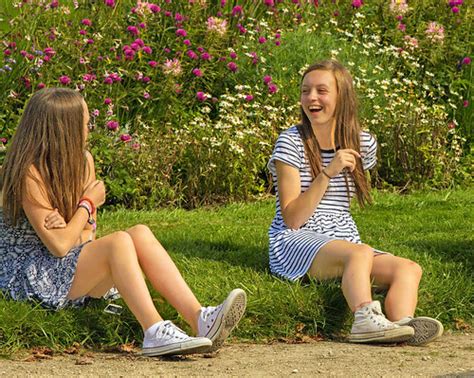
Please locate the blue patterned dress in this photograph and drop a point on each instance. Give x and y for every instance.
(28, 271)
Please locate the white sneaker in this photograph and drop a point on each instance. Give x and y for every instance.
(426, 329)
(371, 326)
(169, 339)
(216, 323)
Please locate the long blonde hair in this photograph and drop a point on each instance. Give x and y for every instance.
(50, 138)
(346, 132)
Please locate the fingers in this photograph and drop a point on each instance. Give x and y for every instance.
(54, 220)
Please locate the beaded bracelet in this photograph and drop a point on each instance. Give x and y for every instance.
(91, 203)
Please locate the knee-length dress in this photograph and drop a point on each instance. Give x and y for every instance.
(28, 271)
(293, 250)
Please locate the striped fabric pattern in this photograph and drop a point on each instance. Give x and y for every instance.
(292, 251)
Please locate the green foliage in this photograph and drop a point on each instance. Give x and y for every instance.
(205, 136)
(218, 249)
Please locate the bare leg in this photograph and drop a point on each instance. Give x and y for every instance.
(402, 276)
(353, 262)
(113, 260)
(163, 274)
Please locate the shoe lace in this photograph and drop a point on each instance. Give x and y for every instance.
(208, 312)
(170, 331)
(379, 318)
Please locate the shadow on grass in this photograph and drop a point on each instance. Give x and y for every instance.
(459, 251)
(232, 253)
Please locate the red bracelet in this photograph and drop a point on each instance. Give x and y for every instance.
(93, 208)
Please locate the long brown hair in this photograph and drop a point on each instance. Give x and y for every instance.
(346, 132)
(50, 138)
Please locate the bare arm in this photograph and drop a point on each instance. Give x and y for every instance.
(297, 207)
(58, 240)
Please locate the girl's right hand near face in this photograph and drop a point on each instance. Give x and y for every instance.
(96, 192)
(346, 158)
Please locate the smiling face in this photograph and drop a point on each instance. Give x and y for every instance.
(319, 97)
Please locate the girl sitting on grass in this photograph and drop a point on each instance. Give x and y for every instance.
(318, 166)
(48, 250)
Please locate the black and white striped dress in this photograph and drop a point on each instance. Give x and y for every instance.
(292, 251)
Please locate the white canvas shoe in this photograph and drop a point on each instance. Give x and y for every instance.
(169, 339)
(371, 326)
(216, 323)
(426, 329)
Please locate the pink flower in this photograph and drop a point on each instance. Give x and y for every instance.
(241, 29)
(125, 138)
(187, 42)
(146, 79)
(7, 52)
(95, 113)
(54, 4)
(3, 140)
(107, 101)
(269, 3)
(154, 8)
(86, 22)
(357, 3)
(88, 77)
(232, 66)
(142, 25)
(146, 96)
(267, 79)
(133, 30)
(136, 146)
(147, 50)
(205, 56)
(192, 54)
(178, 17)
(465, 103)
(181, 33)
(451, 125)
(172, 67)
(49, 51)
(110, 3)
(248, 98)
(201, 96)
(217, 25)
(65, 80)
(233, 55)
(197, 72)
(152, 63)
(277, 43)
(466, 60)
(272, 88)
(262, 40)
(112, 125)
(82, 32)
(237, 10)
(401, 27)
(455, 9)
(40, 85)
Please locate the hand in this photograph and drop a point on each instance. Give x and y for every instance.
(96, 192)
(342, 159)
(54, 220)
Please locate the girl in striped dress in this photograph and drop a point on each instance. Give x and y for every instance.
(318, 166)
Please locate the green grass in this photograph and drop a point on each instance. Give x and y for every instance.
(220, 248)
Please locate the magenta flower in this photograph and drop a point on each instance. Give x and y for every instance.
(88, 77)
(86, 22)
(455, 9)
(277, 43)
(466, 60)
(152, 63)
(107, 101)
(237, 10)
(181, 33)
(401, 27)
(269, 3)
(191, 54)
(110, 3)
(112, 125)
(465, 103)
(262, 40)
(65, 80)
(95, 113)
(232, 66)
(267, 79)
(54, 4)
(357, 3)
(272, 88)
(205, 56)
(49, 51)
(233, 55)
(125, 138)
(154, 8)
(108, 81)
(146, 96)
(7, 52)
(133, 30)
(201, 96)
(41, 85)
(142, 25)
(197, 72)
(248, 98)
(241, 29)
(147, 50)
(3, 140)
(178, 17)
(187, 42)
(82, 32)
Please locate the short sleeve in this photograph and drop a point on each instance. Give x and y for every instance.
(287, 151)
(368, 150)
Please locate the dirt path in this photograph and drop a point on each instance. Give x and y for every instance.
(453, 355)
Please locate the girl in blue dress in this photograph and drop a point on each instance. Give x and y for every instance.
(48, 250)
(318, 166)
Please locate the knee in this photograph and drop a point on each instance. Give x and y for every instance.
(140, 231)
(412, 270)
(120, 241)
(362, 252)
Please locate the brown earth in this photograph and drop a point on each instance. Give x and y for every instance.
(452, 355)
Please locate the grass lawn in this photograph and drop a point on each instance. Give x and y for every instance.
(220, 248)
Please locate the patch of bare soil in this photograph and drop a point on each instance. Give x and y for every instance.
(452, 355)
